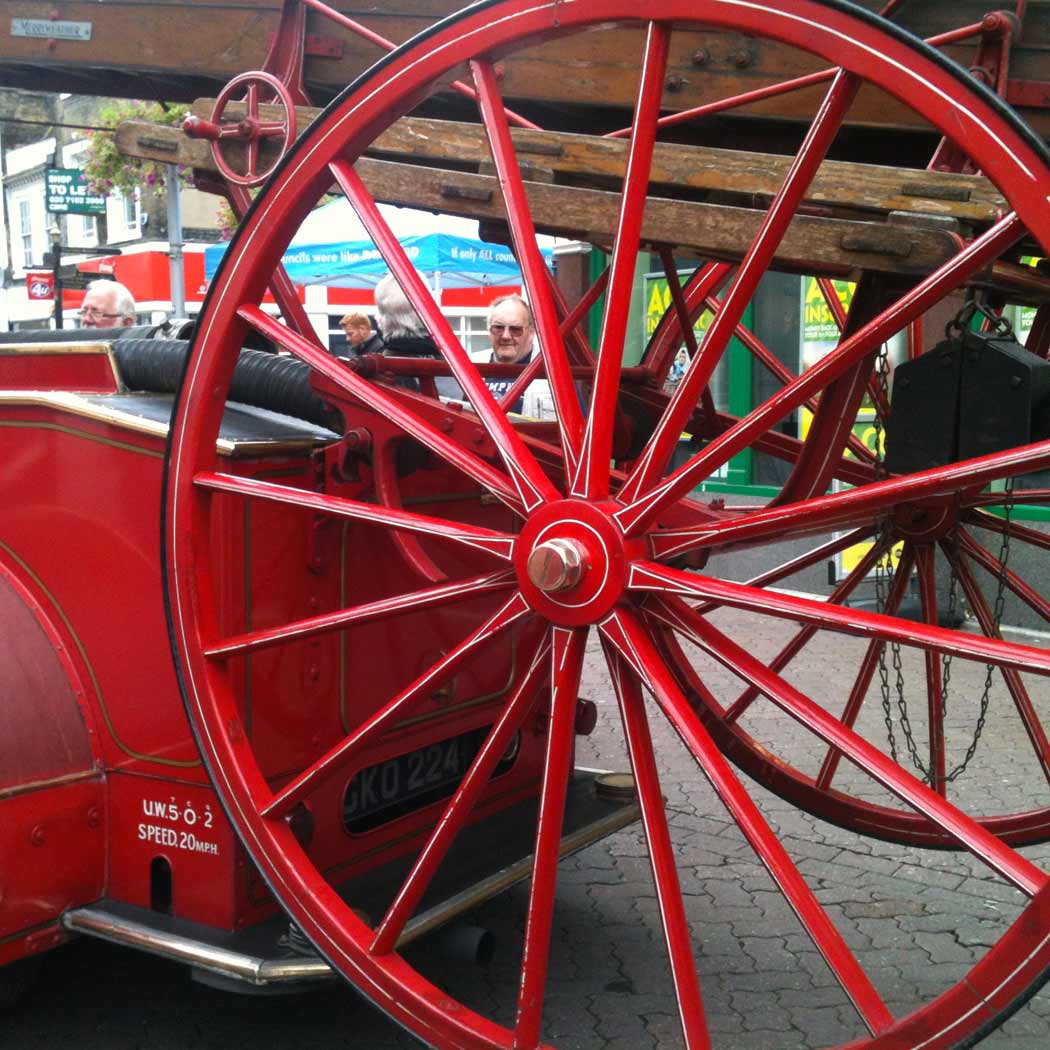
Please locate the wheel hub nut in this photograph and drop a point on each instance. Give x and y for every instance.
(555, 565)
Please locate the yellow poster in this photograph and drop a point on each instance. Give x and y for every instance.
(820, 335)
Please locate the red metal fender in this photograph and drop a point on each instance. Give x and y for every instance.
(52, 805)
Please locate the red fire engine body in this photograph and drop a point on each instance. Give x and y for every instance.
(108, 822)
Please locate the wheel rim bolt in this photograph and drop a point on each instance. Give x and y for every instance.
(555, 565)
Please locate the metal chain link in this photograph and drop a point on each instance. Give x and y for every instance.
(954, 328)
(997, 620)
(884, 559)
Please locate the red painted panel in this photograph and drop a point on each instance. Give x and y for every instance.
(185, 825)
(53, 847)
(85, 525)
(41, 720)
(58, 370)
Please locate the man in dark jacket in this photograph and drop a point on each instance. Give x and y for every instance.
(360, 339)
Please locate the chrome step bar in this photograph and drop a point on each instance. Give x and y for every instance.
(214, 952)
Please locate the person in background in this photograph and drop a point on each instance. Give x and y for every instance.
(401, 328)
(107, 304)
(360, 338)
(511, 334)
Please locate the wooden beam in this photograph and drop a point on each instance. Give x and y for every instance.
(184, 44)
(814, 245)
(969, 199)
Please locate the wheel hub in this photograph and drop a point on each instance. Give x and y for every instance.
(572, 560)
(925, 522)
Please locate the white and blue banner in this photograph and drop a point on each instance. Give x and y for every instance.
(454, 262)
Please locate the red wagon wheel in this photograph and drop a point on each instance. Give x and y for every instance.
(963, 540)
(573, 545)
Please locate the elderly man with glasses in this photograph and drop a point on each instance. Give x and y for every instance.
(107, 304)
(512, 335)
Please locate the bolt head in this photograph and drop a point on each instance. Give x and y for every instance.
(555, 565)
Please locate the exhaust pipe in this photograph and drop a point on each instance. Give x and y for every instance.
(463, 943)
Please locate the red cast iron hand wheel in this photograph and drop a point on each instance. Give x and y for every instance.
(235, 145)
(555, 547)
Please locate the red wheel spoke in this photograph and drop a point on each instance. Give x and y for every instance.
(1024, 875)
(567, 328)
(1034, 497)
(412, 601)
(498, 544)
(661, 852)
(867, 667)
(795, 646)
(648, 576)
(389, 45)
(1015, 530)
(523, 696)
(834, 303)
(281, 286)
(988, 561)
(777, 368)
(1014, 684)
(623, 632)
(804, 561)
(532, 484)
(657, 452)
(534, 270)
(924, 564)
(838, 312)
(912, 304)
(592, 477)
(339, 756)
(852, 507)
(571, 318)
(251, 99)
(685, 322)
(784, 87)
(705, 281)
(566, 666)
(394, 409)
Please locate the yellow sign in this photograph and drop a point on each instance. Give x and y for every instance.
(818, 322)
(659, 303)
(820, 334)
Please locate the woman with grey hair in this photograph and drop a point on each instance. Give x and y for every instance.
(402, 329)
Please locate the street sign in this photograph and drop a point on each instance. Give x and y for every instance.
(67, 193)
(40, 285)
(74, 279)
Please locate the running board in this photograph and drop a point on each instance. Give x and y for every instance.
(258, 959)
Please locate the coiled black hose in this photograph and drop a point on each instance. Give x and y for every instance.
(278, 383)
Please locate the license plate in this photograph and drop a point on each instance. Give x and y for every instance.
(408, 782)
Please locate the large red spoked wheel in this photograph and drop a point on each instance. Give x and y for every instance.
(569, 545)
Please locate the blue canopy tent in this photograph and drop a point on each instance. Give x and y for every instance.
(449, 259)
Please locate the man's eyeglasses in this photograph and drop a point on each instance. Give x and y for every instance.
(514, 329)
(94, 314)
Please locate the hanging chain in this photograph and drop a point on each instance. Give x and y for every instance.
(997, 620)
(955, 328)
(953, 587)
(883, 539)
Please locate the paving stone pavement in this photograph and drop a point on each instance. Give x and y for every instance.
(915, 919)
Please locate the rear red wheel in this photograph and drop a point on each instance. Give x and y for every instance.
(541, 541)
